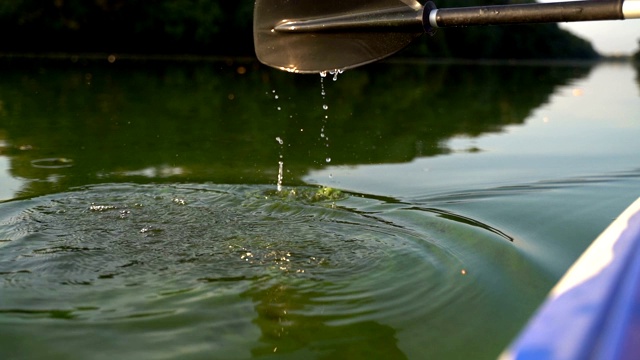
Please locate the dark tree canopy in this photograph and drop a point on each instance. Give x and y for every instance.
(224, 27)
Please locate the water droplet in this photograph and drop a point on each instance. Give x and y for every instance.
(323, 74)
(328, 159)
(335, 73)
(279, 140)
(325, 106)
(279, 108)
(275, 97)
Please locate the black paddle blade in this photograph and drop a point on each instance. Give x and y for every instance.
(312, 36)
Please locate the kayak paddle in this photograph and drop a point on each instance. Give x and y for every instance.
(311, 36)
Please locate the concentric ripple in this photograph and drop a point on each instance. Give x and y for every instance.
(228, 267)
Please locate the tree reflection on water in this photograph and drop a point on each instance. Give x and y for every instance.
(216, 122)
(285, 329)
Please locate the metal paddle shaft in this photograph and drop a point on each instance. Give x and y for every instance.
(310, 36)
(531, 13)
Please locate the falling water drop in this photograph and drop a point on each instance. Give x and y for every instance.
(279, 140)
(280, 172)
(335, 74)
(325, 107)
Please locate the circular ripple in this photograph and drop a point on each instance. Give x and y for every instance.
(284, 262)
(52, 163)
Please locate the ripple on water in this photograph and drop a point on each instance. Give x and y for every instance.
(231, 257)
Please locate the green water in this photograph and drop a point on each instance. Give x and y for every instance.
(140, 217)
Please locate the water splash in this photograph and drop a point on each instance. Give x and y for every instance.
(280, 175)
(280, 156)
(280, 165)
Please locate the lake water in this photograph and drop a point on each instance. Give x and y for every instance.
(139, 216)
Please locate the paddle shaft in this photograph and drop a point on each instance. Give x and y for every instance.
(531, 13)
(405, 19)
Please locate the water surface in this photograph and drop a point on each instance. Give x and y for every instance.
(140, 217)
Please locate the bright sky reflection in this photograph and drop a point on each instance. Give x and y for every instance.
(589, 126)
(607, 37)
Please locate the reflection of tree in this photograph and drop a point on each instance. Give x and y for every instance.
(404, 111)
(286, 329)
(218, 122)
(636, 62)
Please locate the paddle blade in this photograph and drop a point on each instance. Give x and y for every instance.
(342, 47)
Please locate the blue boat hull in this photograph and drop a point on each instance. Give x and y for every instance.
(594, 310)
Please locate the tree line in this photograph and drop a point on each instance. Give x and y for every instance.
(223, 27)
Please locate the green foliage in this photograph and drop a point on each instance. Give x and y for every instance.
(8, 8)
(225, 28)
(158, 26)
